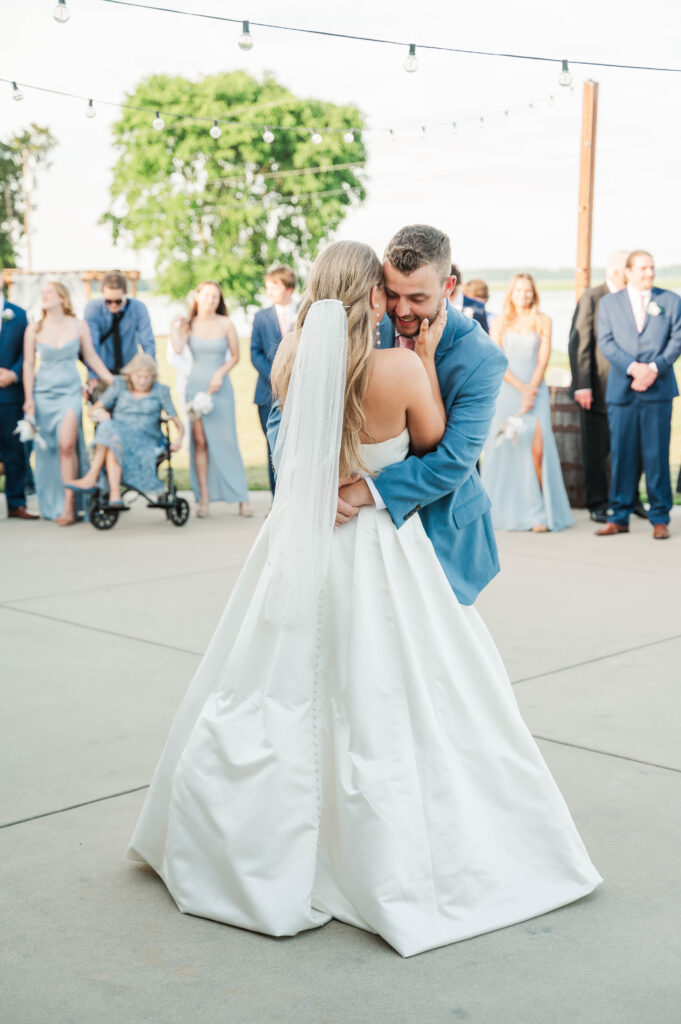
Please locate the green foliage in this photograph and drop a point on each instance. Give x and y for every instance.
(222, 208)
(38, 142)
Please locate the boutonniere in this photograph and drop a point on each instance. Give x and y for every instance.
(469, 312)
(7, 315)
(654, 309)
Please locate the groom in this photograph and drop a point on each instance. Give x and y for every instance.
(443, 486)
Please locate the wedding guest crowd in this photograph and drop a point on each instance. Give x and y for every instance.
(624, 339)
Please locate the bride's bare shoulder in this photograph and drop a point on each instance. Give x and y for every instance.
(395, 366)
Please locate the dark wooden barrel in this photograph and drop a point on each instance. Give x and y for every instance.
(565, 423)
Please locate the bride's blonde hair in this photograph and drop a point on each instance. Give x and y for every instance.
(346, 271)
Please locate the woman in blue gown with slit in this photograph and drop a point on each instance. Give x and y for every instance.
(521, 467)
(216, 469)
(54, 398)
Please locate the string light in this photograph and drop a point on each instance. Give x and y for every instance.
(215, 131)
(411, 62)
(17, 94)
(455, 128)
(245, 39)
(565, 76)
(268, 136)
(316, 138)
(61, 13)
(90, 109)
(158, 122)
(349, 137)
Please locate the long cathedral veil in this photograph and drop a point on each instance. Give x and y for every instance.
(307, 452)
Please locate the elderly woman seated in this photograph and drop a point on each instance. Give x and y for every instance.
(128, 438)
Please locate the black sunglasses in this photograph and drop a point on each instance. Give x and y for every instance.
(113, 302)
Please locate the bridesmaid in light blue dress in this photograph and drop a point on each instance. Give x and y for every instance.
(216, 470)
(521, 468)
(54, 397)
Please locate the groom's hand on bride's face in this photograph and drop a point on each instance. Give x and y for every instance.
(353, 492)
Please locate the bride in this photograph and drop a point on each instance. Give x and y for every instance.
(350, 746)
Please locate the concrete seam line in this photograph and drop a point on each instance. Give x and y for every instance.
(100, 629)
(607, 753)
(74, 807)
(128, 583)
(600, 657)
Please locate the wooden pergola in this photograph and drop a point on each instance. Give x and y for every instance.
(10, 275)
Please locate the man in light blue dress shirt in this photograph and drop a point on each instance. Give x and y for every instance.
(119, 325)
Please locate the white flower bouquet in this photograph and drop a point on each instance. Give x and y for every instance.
(200, 405)
(510, 430)
(28, 431)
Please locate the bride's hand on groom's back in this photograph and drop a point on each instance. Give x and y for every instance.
(353, 492)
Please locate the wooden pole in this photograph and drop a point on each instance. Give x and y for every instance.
(26, 181)
(587, 166)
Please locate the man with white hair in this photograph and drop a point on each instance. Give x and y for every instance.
(589, 377)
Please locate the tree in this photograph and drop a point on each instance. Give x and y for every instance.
(226, 208)
(31, 146)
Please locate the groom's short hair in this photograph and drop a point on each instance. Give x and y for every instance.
(417, 244)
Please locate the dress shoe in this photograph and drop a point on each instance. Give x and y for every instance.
(638, 510)
(599, 515)
(21, 513)
(611, 529)
(660, 531)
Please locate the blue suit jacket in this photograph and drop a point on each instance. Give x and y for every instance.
(12, 352)
(265, 341)
(658, 342)
(443, 486)
(479, 313)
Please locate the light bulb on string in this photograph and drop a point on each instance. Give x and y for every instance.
(90, 109)
(565, 76)
(245, 39)
(17, 94)
(349, 137)
(268, 136)
(61, 13)
(215, 131)
(158, 122)
(455, 128)
(552, 100)
(411, 62)
(316, 138)
(482, 122)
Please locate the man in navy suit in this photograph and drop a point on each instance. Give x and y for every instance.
(465, 304)
(443, 486)
(269, 327)
(639, 332)
(13, 324)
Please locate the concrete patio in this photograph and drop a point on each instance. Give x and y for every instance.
(100, 634)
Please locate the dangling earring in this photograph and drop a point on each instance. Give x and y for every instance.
(377, 333)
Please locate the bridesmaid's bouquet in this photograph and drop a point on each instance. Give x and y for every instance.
(200, 405)
(510, 429)
(28, 431)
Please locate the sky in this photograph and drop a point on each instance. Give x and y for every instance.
(506, 193)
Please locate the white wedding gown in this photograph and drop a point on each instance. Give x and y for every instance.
(370, 766)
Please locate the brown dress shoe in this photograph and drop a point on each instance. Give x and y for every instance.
(611, 529)
(21, 513)
(660, 531)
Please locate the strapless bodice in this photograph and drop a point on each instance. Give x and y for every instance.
(385, 453)
(521, 350)
(208, 353)
(58, 366)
